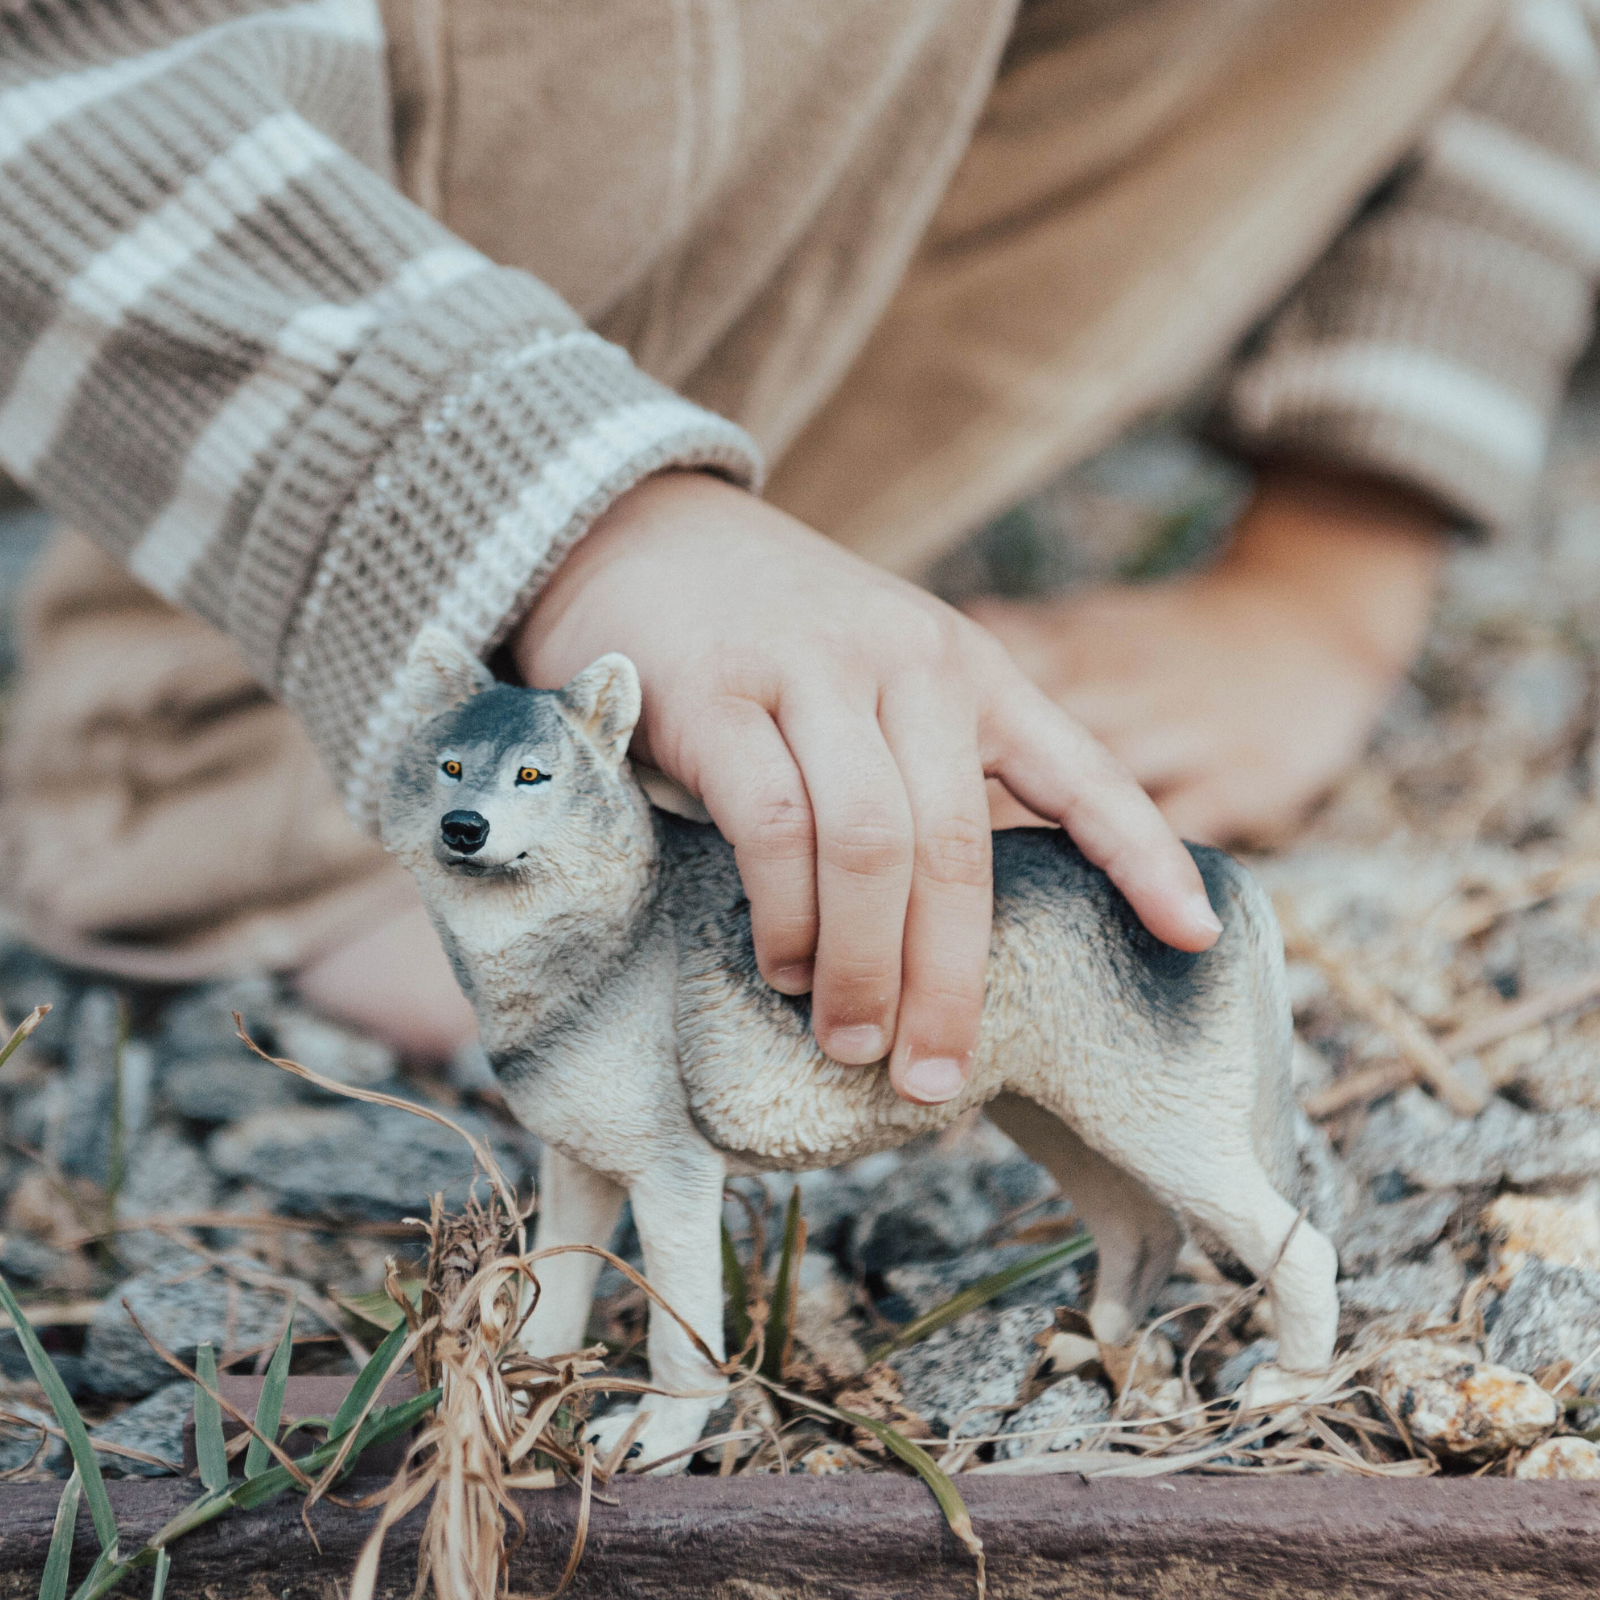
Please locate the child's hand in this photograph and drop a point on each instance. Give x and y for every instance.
(838, 724)
(1238, 695)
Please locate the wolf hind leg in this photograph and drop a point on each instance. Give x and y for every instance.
(576, 1206)
(1136, 1237)
(1224, 1189)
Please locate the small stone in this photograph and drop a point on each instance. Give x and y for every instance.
(937, 1206)
(18, 1442)
(830, 1458)
(957, 1376)
(182, 1310)
(27, 1259)
(374, 1162)
(1548, 1314)
(1434, 1149)
(1233, 1372)
(330, 1050)
(167, 1176)
(201, 1022)
(1381, 1235)
(1461, 1406)
(1561, 1231)
(1062, 1418)
(225, 1088)
(1324, 1185)
(1419, 1292)
(1560, 1458)
(154, 1425)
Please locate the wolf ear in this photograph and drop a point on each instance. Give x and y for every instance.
(604, 701)
(441, 673)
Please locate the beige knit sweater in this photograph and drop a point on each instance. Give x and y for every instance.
(235, 354)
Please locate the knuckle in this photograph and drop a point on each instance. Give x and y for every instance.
(781, 829)
(869, 844)
(956, 854)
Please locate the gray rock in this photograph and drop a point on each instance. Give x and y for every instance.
(936, 1206)
(927, 1284)
(182, 1311)
(26, 1259)
(18, 1441)
(981, 1361)
(1460, 1406)
(1070, 1407)
(1431, 1148)
(225, 1088)
(1232, 1373)
(167, 1175)
(154, 1425)
(1547, 1314)
(201, 1022)
(1380, 1235)
(1422, 1292)
(359, 1161)
(328, 1049)
(1325, 1185)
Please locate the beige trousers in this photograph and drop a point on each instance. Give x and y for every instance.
(1136, 193)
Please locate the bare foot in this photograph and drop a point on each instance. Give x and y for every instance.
(1236, 696)
(395, 984)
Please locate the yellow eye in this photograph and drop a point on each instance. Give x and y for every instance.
(451, 769)
(530, 775)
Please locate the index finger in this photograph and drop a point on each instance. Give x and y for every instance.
(1054, 767)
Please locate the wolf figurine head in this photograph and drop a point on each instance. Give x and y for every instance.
(526, 789)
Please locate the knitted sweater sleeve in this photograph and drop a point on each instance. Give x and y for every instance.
(237, 357)
(1431, 344)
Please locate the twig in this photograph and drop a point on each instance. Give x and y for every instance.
(1528, 1012)
(1385, 1077)
(1374, 1003)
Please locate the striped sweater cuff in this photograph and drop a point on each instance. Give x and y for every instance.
(1400, 414)
(490, 437)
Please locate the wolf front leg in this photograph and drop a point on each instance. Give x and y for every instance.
(677, 1208)
(576, 1206)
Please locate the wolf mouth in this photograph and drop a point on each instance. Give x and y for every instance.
(469, 868)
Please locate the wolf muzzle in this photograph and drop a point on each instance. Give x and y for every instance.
(464, 831)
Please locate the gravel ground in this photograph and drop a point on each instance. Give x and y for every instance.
(1442, 913)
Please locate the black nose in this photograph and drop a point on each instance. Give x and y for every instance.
(464, 831)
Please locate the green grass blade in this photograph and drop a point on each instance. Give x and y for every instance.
(937, 1479)
(53, 1586)
(737, 1291)
(981, 1292)
(106, 1573)
(48, 1379)
(783, 1291)
(269, 1409)
(380, 1426)
(21, 1032)
(367, 1383)
(163, 1566)
(210, 1447)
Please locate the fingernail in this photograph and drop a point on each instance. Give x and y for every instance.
(792, 980)
(933, 1080)
(858, 1046)
(1201, 914)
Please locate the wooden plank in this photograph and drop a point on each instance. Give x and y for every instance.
(880, 1538)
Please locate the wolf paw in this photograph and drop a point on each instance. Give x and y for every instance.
(669, 1426)
(1270, 1387)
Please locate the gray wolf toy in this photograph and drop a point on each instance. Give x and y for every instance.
(605, 946)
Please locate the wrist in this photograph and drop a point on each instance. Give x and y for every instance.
(1363, 556)
(545, 644)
